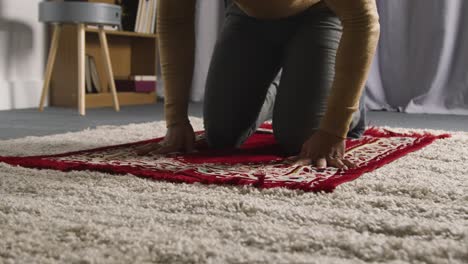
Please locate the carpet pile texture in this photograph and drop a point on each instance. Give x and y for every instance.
(412, 210)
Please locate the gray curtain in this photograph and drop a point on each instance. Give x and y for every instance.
(421, 64)
(208, 21)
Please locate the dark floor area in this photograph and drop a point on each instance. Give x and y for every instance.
(54, 120)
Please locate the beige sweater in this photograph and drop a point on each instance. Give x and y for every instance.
(356, 50)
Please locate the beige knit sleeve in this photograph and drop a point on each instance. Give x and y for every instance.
(361, 31)
(176, 40)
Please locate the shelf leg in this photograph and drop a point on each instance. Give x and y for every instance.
(50, 64)
(81, 69)
(108, 67)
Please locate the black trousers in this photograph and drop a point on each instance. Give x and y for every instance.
(248, 56)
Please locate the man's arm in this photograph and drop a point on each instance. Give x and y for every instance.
(176, 36)
(361, 30)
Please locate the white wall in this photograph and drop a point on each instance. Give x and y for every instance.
(22, 54)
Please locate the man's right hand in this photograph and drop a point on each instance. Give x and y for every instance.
(179, 138)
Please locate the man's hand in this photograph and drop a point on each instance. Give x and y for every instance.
(179, 138)
(323, 149)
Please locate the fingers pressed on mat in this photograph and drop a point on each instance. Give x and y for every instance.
(148, 148)
(166, 150)
(303, 162)
(349, 164)
(337, 163)
(321, 163)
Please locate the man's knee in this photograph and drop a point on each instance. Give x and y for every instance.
(221, 137)
(291, 138)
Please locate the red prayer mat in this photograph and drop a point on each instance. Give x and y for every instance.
(259, 162)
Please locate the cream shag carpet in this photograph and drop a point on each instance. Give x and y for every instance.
(412, 210)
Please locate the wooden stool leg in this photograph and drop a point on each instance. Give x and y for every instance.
(50, 64)
(81, 69)
(108, 66)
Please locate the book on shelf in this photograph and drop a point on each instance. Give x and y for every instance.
(92, 82)
(153, 18)
(139, 15)
(135, 86)
(145, 21)
(136, 83)
(88, 83)
(132, 83)
(94, 75)
(145, 16)
(138, 77)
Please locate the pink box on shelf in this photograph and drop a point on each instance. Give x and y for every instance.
(135, 86)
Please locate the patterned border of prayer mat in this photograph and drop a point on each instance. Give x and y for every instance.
(258, 162)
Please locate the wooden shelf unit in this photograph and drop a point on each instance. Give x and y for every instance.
(131, 54)
(124, 33)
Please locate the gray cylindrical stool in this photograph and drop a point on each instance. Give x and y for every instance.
(81, 14)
